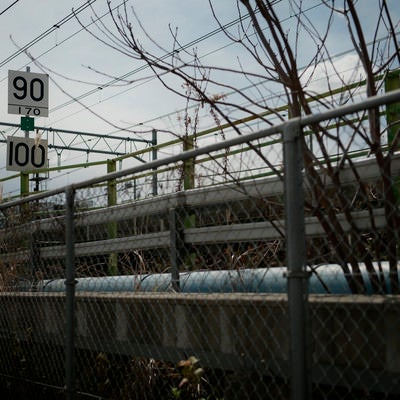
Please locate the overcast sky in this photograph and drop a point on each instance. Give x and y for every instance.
(67, 52)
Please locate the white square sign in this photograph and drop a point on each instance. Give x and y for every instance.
(28, 93)
(24, 154)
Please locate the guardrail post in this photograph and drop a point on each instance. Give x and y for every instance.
(296, 274)
(70, 283)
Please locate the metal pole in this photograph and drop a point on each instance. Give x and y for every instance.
(24, 184)
(70, 294)
(24, 179)
(189, 164)
(174, 250)
(113, 225)
(296, 274)
(154, 157)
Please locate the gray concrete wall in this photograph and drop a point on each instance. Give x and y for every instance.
(354, 340)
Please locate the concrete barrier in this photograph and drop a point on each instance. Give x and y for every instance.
(354, 340)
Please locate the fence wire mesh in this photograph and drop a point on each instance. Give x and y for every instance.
(178, 279)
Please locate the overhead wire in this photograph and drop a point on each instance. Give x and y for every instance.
(65, 19)
(141, 68)
(196, 41)
(122, 77)
(7, 8)
(165, 56)
(166, 115)
(76, 99)
(57, 45)
(47, 32)
(73, 14)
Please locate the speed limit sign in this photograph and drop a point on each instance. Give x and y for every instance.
(24, 154)
(28, 93)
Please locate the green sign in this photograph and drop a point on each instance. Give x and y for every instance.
(27, 124)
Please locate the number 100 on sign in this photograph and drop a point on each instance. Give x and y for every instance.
(28, 94)
(23, 154)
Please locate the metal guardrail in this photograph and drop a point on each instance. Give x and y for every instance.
(222, 196)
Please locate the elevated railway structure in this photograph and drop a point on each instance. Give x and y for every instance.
(223, 227)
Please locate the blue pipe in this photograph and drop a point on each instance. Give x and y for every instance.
(325, 278)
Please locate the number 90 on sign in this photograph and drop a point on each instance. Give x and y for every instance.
(23, 154)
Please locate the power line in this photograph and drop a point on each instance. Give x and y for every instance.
(6, 9)
(69, 37)
(47, 32)
(196, 41)
(145, 66)
(122, 77)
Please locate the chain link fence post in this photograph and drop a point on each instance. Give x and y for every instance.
(70, 283)
(296, 274)
(174, 250)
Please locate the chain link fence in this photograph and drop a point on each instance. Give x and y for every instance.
(266, 269)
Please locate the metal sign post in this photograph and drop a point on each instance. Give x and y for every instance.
(28, 95)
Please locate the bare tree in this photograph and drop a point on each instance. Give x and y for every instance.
(274, 47)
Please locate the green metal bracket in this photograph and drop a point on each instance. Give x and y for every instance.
(392, 82)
